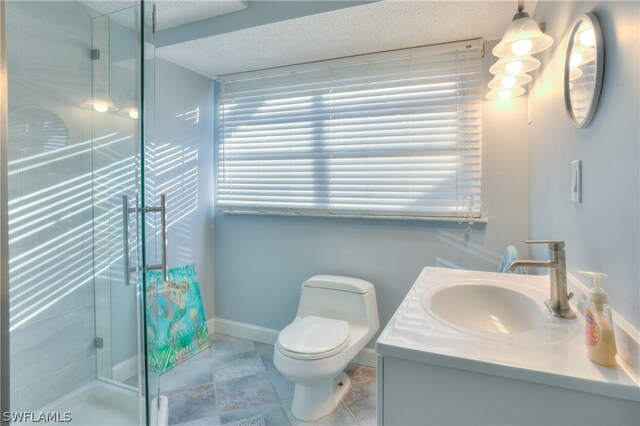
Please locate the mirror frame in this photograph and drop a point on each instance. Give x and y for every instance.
(595, 95)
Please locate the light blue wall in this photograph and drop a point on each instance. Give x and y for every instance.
(602, 233)
(184, 128)
(261, 261)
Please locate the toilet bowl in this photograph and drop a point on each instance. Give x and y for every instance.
(336, 318)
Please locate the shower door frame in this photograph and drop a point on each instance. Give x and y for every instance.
(4, 226)
(146, 123)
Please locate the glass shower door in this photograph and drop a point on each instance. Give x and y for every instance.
(74, 136)
(134, 238)
(129, 218)
(119, 295)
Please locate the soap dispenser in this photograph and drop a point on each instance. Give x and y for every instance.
(600, 340)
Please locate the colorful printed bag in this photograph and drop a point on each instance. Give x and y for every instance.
(176, 324)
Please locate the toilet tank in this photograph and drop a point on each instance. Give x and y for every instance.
(349, 299)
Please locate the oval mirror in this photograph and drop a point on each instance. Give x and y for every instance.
(583, 69)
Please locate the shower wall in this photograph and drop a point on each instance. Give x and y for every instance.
(50, 201)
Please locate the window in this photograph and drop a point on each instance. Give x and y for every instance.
(394, 134)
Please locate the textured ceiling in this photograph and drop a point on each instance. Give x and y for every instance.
(171, 13)
(355, 30)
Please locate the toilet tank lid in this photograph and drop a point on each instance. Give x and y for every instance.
(334, 282)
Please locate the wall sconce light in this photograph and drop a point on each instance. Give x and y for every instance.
(504, 94)
(521, 39)
(515, 65)
(506, 81)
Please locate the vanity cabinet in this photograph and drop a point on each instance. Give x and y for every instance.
(415, 393)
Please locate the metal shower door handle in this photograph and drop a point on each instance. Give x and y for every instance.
(162, 209)
(125, 238)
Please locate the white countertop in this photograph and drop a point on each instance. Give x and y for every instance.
(553, 354)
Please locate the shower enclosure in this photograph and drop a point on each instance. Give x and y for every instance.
(80, 217)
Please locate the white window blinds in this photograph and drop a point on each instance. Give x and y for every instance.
(394, 134)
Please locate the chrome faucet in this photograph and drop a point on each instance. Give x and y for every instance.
(558, 304)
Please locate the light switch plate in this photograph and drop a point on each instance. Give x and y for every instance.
(576, 181)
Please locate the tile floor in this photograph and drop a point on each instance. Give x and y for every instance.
(236, 380)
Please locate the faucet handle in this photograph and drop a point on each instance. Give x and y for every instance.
(553, 244)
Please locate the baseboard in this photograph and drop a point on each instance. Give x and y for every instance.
(125, 369)
(246, 331)
(367, 356)
(243, 330)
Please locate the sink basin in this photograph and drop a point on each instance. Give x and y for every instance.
(484, 306)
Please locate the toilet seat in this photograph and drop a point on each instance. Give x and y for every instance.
(313, 337)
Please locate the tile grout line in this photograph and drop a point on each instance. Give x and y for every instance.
(215, 385)
(353, 417)
(284, 411)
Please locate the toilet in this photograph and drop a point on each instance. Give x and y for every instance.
(336, 318)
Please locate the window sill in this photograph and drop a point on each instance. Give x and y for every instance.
(479, 219)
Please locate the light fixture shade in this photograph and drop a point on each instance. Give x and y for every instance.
(581, 56)
(522, 37)
(506, 81)
(99, 104)
(514, 65)
(584, 37)
(504, 94)
(130, 111)
(574, 73)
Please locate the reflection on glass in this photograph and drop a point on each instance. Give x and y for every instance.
(582, 71)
